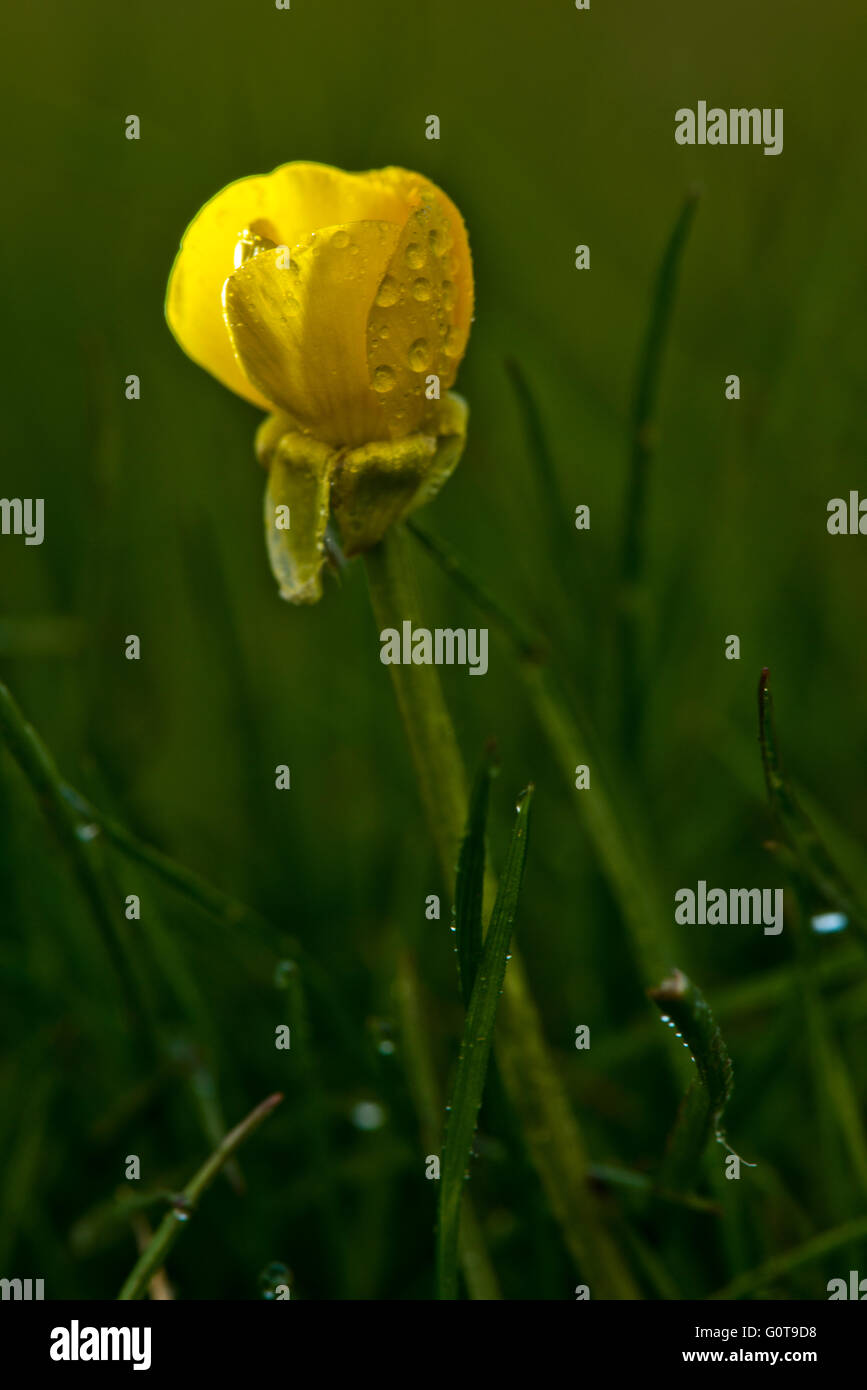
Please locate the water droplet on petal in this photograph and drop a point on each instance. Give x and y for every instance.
(421, 289)
(448, 293)
(452, 344)
(415, 256)
(388, 293)
(419, 355)
(383, 380)
(340, 239)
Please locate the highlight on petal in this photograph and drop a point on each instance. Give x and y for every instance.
(296, 512)
(299, 330)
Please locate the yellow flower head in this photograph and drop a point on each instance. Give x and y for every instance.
(341, 303)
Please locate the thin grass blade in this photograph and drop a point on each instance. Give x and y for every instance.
(469, 1083)
(470, 877)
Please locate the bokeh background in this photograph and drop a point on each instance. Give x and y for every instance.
(557, 128)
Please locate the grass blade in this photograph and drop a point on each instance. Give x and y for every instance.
(529, 647)
(470, 877)
(626, 860)
(684, 1008)
(481, 1280)
(774, 1269)
(642, 448)
(475, 1052)
(153, 1258)
(813, 864)
(40, 770)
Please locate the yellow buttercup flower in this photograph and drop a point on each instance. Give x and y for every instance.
(340, 303)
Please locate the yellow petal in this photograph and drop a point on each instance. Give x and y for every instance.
(420, 319)
(299, 329)
(285, 206)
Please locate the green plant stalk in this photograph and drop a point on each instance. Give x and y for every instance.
(551, 1132)
(625, 859)
(312, 1094)
(470, 880)
(154, 1255)
(478, 1271)
(814, 863)
(472, 1068)
(835, 1096)
(775, 1268)
(221, 907)
(642, 448)
(38, 767)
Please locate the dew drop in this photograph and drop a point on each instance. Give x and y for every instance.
(415, 256)
(452, 344)
(421, 289)
(448, 293)
(383, 380)
(419, 355)
(284, 970)
(387, 294)
(439, 241)
(340, 240)
(825, 922)
(368, 1115)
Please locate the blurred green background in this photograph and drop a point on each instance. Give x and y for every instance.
(556, 129)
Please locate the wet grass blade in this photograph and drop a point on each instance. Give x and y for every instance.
(481, 1279)
(684, 1008)
(813, 865)
(776, 1268)
(38, 767)
(537, 439)
(153, 1258)
(475, 1052)
(616, 836)
(529, 647)
(643, 443)
(470, 877)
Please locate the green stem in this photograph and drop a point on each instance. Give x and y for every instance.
(776, 1268)
(475, 1261)
(643, 443)
(550, 1129)
(40, 770)
(154, 1256)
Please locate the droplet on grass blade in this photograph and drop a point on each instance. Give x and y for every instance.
(827, 922)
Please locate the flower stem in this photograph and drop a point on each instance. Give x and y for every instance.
(551, 1132)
